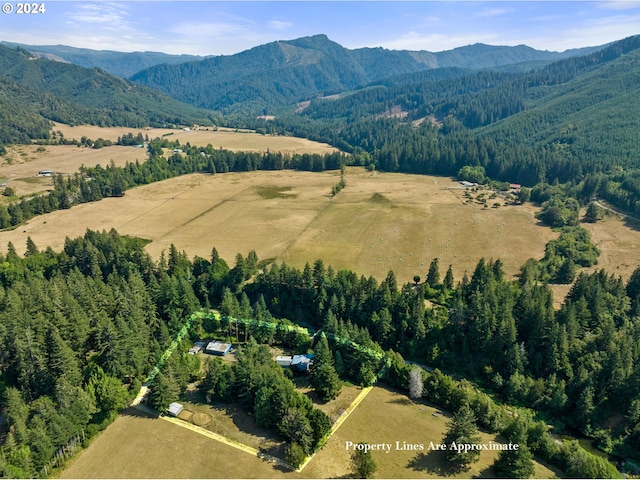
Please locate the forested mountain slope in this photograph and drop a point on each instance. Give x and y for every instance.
(594, 117)
(122, 64)
(285, 72)
(33, 88)
(570, 118)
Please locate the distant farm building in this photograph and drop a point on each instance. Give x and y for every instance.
(464, 183)
(175, 408)
(197, 348)
(515, 187)
(217, 348)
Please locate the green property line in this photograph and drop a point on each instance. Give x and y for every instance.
(216, 315)
(181, 334)
(251, 322)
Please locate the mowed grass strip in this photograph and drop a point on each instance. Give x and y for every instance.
(375, 224)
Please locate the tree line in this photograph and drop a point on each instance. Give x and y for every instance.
(94, 183)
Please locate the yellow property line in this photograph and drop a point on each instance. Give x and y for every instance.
(253, 451)
(227, 441)
(339, 422)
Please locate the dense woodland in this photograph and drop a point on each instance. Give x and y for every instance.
(77, 325)
(80, 329)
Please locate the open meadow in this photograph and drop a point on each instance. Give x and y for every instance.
(139, 446)
(378, 222)
(20, 165)
(618, 239)
(387, 416)
(229, 139)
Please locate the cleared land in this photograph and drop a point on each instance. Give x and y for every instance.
(386, 416)
(619, 242)
(377, 223)
(235, 140)
(21, 164)
(137, 446)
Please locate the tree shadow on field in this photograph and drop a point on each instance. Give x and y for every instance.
(402, 401)
(486, 473)
(433, 463)
(140, 411)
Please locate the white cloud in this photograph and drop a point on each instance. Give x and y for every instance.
(494, 12)
(618, 5)
(437, 42)
(279, 25)
(103, 13)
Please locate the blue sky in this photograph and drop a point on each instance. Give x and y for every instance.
(215, 28)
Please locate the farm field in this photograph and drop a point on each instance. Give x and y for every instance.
(618, 241)
(137, 446)
(386, 416)
(377, 223)
(221, 138)
(21, 163)
(140, 446)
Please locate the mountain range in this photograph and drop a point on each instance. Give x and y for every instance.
(35, 90)
(554, 101)
(121, 64)
(284, 72)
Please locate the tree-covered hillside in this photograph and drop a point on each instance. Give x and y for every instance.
(285, 72)
(570, 118)
(77, 324)
(72, 94)
(122, 64)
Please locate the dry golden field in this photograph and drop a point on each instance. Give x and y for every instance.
(21, 164)
(377, 223)
(138, 446)
(619, 242)
(220, 138)
(386, 416)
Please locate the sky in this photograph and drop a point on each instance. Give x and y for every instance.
(224, 28)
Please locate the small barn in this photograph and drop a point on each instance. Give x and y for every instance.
(197, 348)
(175, 408)
(217, 348)
(284, 360)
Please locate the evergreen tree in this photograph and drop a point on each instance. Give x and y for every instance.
(448, 279)
(593, 213)
(514, 463)
(324, 377)
(164, 391)
(362, 464)
(461, 430)
(433, 277)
